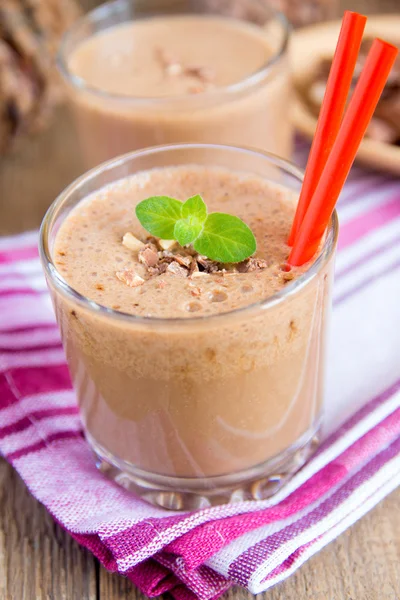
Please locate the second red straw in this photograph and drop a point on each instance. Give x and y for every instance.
(362, 105)
(332, 109)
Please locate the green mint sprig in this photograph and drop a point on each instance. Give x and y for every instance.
(220, 237)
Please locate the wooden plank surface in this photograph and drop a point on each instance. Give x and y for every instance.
(39, 561)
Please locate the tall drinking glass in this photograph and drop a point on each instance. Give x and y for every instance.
(139, 77)
(203, 409)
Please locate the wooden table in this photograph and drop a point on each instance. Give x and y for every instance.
(38, 561)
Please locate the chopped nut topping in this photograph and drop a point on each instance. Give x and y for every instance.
(205, 74)
(158, 257)
(196, 291)
(198, 274)
(170, 64)
(130, 278)
(149, 256)
(287, 276)
(168, 257)
(184, 261)
(167, 244)
(174, 69)
(196, 89)
(176, 269)
(129, 241)
(252, 264)
(165, 58)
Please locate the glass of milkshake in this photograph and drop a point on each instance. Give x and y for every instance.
(137, 78)
(198, 383)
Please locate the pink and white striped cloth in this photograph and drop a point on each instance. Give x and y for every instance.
(254, 544)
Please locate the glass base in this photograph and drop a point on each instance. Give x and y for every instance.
(183, 493)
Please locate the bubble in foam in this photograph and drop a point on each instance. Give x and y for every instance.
(193, 307)
(217, 296)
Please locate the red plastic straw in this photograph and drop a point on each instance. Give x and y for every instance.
(370, 85)
(332, 109)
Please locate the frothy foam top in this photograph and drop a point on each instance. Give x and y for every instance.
(89, 253)
(168, 56)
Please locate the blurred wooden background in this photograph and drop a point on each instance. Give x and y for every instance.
(22, 203)
(38, 561)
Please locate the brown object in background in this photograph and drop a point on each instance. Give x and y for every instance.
(298, 12)
(30, 32)
(385, 125)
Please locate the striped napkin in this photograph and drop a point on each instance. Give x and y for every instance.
(254, 544)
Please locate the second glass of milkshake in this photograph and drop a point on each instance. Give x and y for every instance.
(139, 77)
(198, 383)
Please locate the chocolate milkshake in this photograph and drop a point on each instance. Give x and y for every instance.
(194, 378)
(177, 78)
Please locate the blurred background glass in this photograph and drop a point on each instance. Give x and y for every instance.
(35, 168)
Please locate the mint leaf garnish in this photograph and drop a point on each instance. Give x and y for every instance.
(220, 237)
(194, 213)
(225, 238)
(195, 207)
(158, 215)
(186, 232)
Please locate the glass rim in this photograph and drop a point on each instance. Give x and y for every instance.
(115, 6)
(291, 289)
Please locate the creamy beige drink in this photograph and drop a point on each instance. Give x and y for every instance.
(179, 78)
(211, 371)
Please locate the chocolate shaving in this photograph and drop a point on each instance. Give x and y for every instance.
(194, 267)
(252, 264)
(158, 270)
(204, 74)
(175, 68)
(149, 256)
(207, 265)
(185, 263)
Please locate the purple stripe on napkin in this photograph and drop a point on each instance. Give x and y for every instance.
(258, 543)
